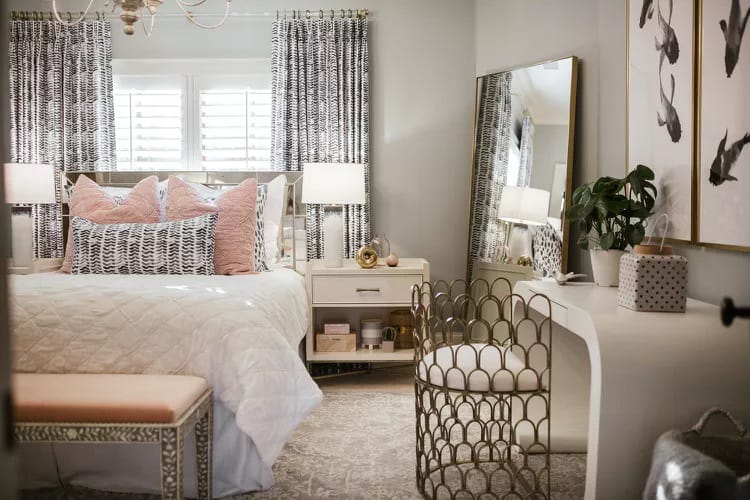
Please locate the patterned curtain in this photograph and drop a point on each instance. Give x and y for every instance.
(490, 167)
(527, 151)
(320, 109)
(61, 108)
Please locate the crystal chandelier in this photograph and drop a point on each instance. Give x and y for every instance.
(133, 11)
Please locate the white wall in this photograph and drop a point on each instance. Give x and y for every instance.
(511, 33)
(422, 87)
(550, 147)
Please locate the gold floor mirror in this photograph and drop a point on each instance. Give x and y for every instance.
(521, 171)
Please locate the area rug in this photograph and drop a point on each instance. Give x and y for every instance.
(357, 445)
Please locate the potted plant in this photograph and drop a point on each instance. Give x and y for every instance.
(611, 214)
(389, 339)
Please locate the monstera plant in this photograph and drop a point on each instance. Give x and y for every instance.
(611, 214)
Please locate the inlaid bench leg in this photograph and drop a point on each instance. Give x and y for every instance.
(203, 453)
(171, 464)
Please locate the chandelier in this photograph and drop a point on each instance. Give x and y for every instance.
(133, 11)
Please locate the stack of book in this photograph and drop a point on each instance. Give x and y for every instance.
(336, 337)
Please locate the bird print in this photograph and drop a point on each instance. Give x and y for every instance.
(733, 31)
(668, 45)
(647, 11)
(725, 160)
(667, 115)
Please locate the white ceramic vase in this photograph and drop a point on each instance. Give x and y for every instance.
(606, 266)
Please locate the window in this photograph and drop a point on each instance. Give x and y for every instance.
(235, 125)
(149, 123)
(168, 116)
(514, 165)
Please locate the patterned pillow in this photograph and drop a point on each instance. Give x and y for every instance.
(235, 230)
(547, 249)
(91, 202)
(261, 262)
(179, 247)
(210, 195)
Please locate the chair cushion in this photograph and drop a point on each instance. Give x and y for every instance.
(498, 369)
(104, 398)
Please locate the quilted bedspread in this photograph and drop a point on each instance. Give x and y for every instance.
(239, 332)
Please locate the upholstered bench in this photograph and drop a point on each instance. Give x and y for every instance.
(82, 408)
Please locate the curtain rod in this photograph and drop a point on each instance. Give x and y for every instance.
(18, 15)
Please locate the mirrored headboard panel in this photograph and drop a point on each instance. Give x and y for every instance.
(523, 138)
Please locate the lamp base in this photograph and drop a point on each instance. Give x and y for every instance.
(518, 244)
(21, 238)
(333, 240)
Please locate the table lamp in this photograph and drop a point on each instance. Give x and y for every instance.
(519, 207)
(26, 184)
(333, 185)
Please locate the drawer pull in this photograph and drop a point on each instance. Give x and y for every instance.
(359, 290)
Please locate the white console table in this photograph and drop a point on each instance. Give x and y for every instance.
(620, 378)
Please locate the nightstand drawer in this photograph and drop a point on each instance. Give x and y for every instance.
(376, 289)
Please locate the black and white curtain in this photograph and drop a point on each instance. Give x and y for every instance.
(61, 108)
(527, 151)
(320, 109)
(490, 167)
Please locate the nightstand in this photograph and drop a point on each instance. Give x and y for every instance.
(490, 271)
(350, 294)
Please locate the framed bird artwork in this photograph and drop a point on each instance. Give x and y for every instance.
(723, 173)
(660, 104)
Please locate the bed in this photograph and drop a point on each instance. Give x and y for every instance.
(239, 332)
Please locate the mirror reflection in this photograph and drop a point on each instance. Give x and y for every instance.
(521, 171)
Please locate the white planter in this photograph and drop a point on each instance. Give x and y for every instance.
(606, 266)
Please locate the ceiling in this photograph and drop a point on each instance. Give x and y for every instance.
(545, 91)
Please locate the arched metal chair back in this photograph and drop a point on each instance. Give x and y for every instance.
(482, 358)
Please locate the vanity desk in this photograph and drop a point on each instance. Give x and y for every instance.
(621, 378)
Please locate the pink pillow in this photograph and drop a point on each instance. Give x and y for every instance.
(235, 230)
(91, 202)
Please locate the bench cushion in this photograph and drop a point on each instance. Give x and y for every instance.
(104, 398)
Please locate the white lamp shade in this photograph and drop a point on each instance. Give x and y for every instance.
(333, 183)
(524, 205)
(29, 183)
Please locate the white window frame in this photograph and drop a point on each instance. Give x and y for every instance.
(196, 74)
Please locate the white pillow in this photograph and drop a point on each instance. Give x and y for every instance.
(274, 210)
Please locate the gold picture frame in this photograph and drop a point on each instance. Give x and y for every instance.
(699, 173)
(684, 195)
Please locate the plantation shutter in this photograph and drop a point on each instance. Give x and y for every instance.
(235, 129)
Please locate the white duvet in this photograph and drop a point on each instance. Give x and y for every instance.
(239, 332)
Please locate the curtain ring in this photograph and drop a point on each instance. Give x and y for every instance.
(70, 17)
(343, 13)
(320, 13)
(50, 16)
(307, 15)
(351, 14)
(333, 14)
